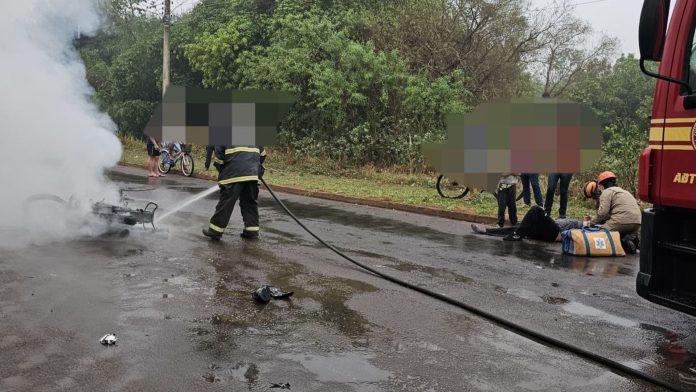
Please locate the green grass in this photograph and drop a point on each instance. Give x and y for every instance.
(390, 184)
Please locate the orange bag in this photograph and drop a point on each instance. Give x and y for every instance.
(593, 242)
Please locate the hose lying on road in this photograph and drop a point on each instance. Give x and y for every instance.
(509, 325)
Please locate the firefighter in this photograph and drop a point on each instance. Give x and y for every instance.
(618, 210)
(239, 171)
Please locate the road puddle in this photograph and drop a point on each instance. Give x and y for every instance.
(243, 372)
(580, 309)
(547, 255)
(532, 296)
(284, 237)
(524, 294)
(344, 368)
(605, 267)
(316, 298)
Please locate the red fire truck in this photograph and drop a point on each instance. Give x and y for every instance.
(667, 171)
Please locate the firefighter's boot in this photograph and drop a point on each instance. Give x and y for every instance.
(250, 235)
(212, 234)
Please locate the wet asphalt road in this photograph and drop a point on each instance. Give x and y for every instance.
(181, 308)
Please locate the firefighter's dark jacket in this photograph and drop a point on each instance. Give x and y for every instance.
(239, 163)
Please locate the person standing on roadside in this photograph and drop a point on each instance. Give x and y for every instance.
(507, 193)
(531, 179)
(554, 179)
(153, 152)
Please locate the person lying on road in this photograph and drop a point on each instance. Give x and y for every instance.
(617, 210)
(538, 225)
(535, 225)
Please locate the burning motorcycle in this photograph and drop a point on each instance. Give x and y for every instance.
(115, 217)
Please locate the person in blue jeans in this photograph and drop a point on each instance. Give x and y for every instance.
(533, 180)
(564, 179)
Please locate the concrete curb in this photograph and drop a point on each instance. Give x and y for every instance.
(430, 211)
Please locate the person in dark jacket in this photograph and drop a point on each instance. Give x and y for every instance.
(238, 178)
(536, 225)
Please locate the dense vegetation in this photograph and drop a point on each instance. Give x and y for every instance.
(374, 77)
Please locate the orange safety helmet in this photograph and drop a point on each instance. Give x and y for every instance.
(589, 189)
(605, 176)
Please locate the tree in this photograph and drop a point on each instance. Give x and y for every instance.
(621, 97)
(124, 63)
(487, 40)
(220, 57)
(356, 103)
(563, 55)
(620, 94)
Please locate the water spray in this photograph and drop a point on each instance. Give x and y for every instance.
(186, 203)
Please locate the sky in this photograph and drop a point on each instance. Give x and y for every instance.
(615, 18)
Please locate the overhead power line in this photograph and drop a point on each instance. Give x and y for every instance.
(588, 2)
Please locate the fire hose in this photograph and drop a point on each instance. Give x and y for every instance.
(511, 326)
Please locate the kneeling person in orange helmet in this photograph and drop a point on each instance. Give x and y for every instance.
(618, 210)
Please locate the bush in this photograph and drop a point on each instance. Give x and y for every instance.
(131, 117)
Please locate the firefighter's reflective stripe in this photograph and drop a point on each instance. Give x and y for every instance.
(231, 151)
(263, 153)
(252, 228)
(238, 179)
(217, 228)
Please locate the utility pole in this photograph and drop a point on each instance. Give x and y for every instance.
(165, 51)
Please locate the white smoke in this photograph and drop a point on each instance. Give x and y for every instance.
(52, 138)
